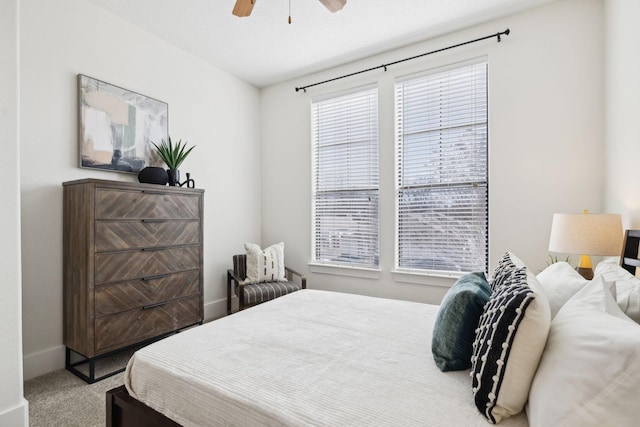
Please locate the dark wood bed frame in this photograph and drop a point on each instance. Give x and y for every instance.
(125, 411)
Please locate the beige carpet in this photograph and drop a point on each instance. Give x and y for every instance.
(62, 399)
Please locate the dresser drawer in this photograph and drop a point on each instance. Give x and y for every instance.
(119, 235)
(119, 297)
(118, 204)
(128, 265)
(130, 327)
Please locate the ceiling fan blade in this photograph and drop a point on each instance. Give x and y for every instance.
(243, 7)
(333, 5)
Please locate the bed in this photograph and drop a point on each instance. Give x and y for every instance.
(327, 359)
(308, 358)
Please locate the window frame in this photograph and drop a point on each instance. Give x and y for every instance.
(402, 271)
(318, 259)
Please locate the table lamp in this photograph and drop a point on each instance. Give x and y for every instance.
(586, 234)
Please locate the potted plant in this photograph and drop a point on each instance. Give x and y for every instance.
(173, 155)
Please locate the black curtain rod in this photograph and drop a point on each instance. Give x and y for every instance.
(498, 35)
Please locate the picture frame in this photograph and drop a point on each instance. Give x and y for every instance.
(116, 127)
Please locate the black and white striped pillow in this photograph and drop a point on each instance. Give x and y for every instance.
(504, 272)
(509, 341)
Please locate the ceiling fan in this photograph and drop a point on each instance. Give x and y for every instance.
(244, 7)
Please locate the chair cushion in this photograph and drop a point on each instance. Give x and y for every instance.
(256, 293)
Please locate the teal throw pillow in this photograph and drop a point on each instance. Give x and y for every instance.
(455, 327)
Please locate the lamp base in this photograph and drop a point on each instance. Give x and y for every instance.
(585, 268)
(587, 273)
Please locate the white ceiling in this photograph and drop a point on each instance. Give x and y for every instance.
(264, 49)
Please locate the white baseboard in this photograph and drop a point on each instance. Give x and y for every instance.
(18, 416)
(215, 310)
(43, 362)
(52, 359)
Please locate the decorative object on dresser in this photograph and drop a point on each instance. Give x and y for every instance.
(132, 266)
(173, 155)
(189, 182)
(116, 125)
(153, 175)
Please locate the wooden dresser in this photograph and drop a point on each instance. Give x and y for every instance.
(132, 266)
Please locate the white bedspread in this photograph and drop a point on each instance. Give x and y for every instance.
(309, 358)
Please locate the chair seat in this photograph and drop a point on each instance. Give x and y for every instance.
(255, 293)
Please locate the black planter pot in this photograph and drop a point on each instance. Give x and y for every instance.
(174, 177)
(153, 175)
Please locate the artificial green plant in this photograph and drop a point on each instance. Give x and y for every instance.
(173, 154)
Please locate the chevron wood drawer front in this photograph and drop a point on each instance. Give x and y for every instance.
(119, 297)
(122, 235)
(127, 265)
(132, 263)
(130, 327)
(113, 204)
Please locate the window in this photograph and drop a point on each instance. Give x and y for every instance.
(345, 179)
(441, 171)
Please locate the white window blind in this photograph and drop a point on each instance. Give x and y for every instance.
(441, 171)
(345, 179)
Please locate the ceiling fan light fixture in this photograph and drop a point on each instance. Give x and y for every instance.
(243, 8)
(333, 5)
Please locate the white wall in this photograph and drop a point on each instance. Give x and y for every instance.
(13, 407)
(207, 107)
(546, 145)
(622, 56)
(545, 140)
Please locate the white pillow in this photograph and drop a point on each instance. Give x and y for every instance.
(628, 298)
(627, 286)
(610, 268)
(560, 282)
(510, 338)
(590, 369)
(265, 265)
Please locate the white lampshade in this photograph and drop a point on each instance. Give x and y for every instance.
(588, 234)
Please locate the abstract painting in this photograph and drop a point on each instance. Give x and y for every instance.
(117, 126)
